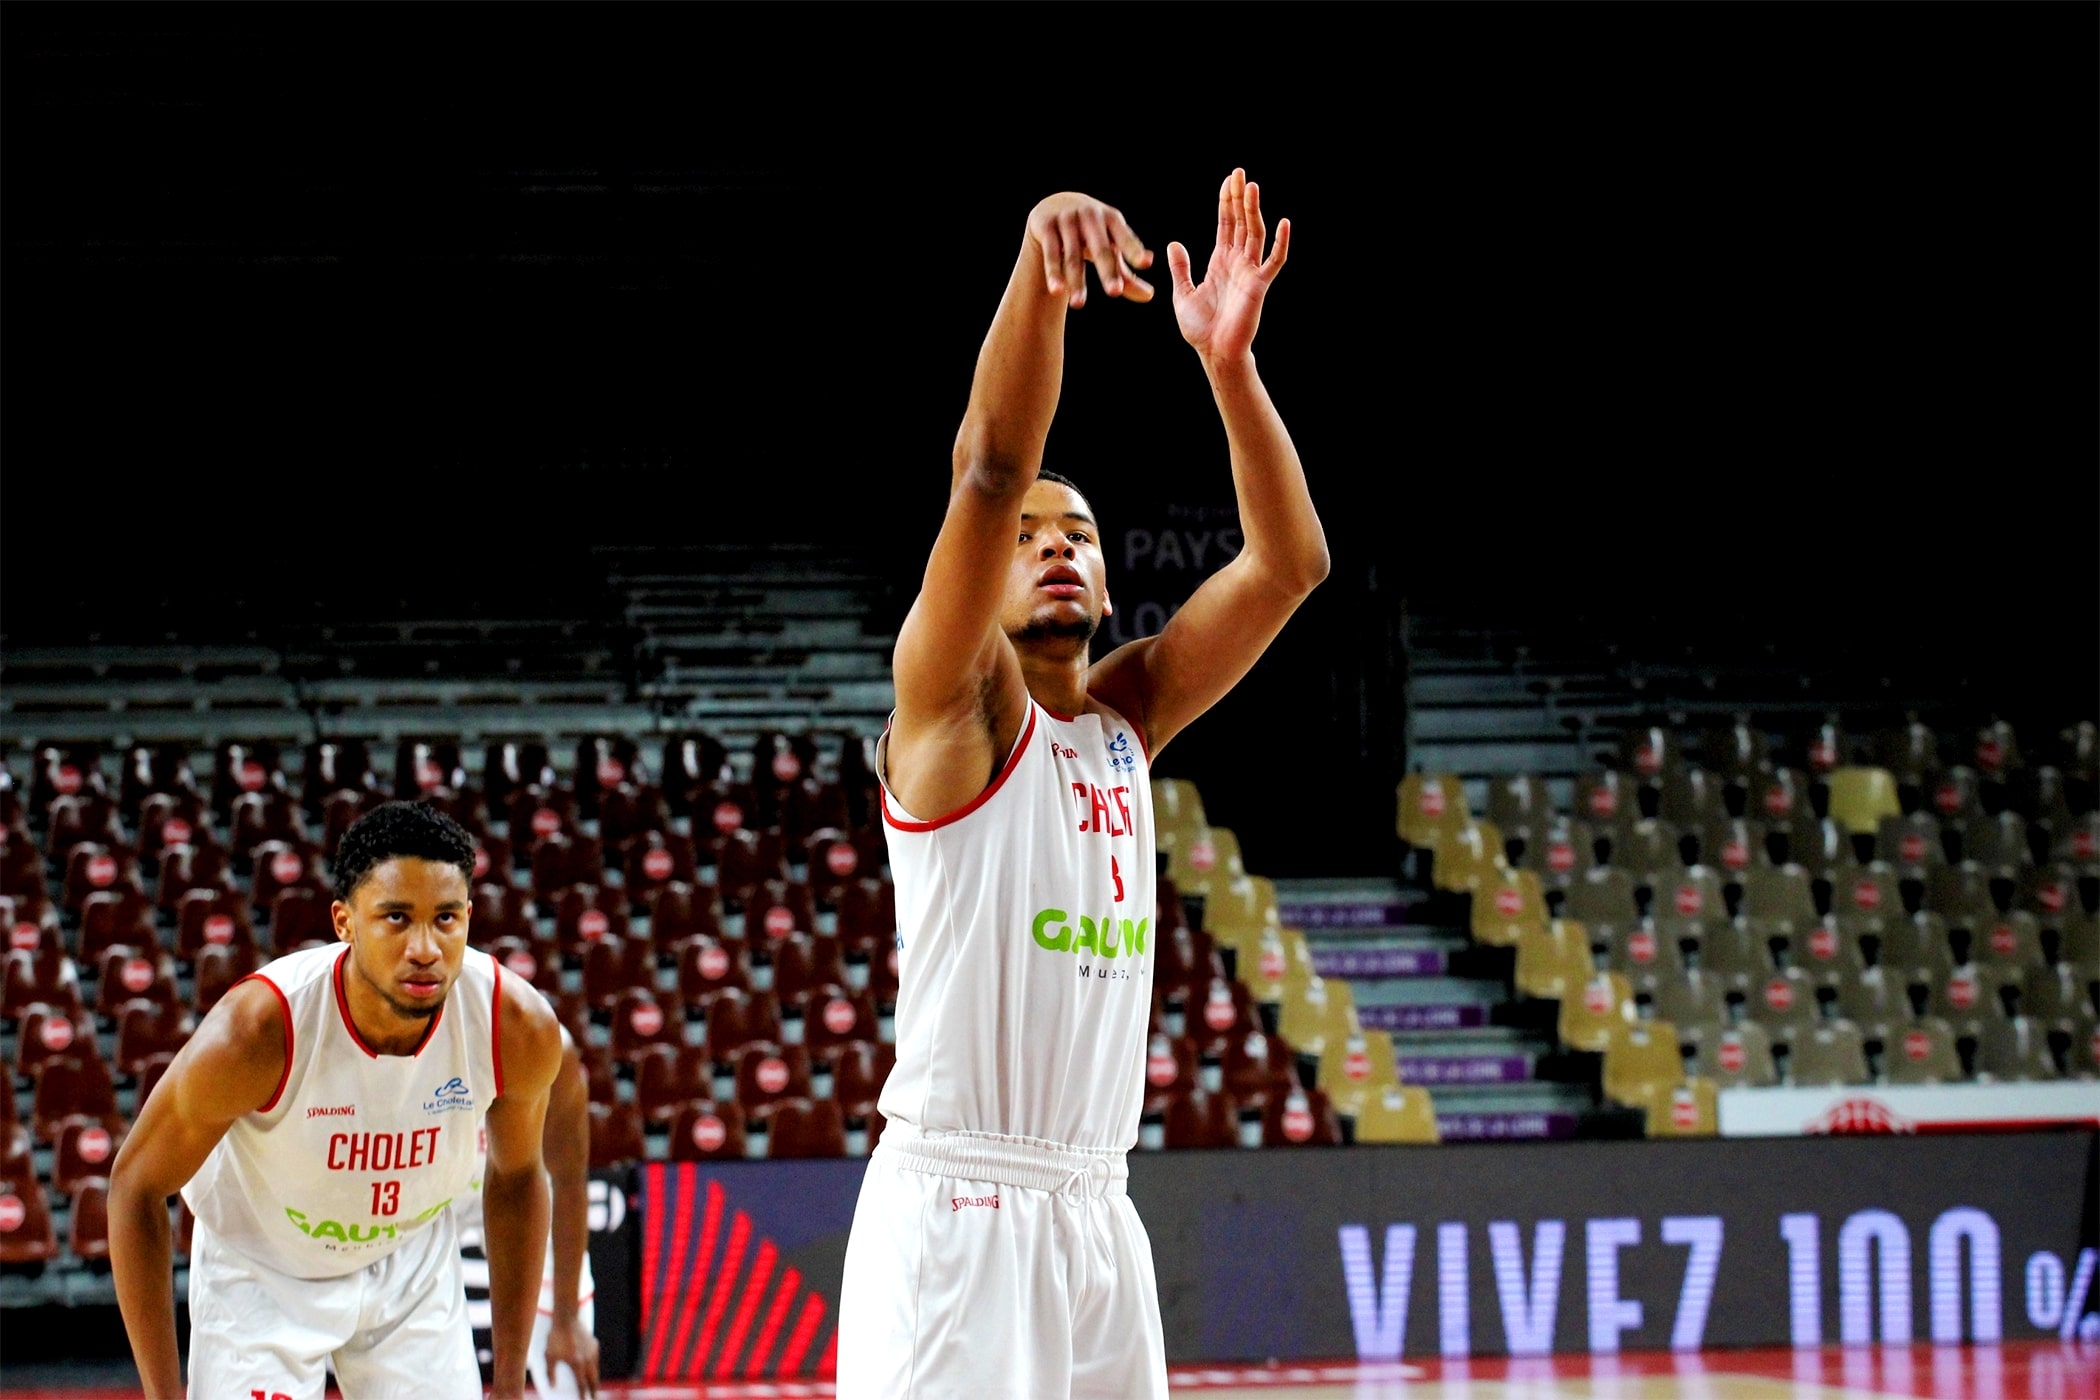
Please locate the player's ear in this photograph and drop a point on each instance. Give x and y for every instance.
(1106, 606)
(339, 913)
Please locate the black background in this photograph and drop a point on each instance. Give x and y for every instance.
(1591, 312)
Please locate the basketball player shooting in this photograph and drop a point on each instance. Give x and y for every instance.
(994, 1249)
(319, 1123)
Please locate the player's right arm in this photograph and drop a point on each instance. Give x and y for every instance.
(960, 695)
(234, 1064)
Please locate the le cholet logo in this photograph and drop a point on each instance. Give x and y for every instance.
(451, 1097)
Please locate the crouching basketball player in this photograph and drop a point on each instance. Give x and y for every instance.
(319, 1123)
(995, 1252)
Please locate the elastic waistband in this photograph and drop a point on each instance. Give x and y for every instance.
(1010, 1161)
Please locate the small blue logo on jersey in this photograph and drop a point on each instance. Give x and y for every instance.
(451, 1096)
(1120, 757)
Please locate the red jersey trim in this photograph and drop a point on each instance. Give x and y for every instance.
(1136, 731)
(286, 1007)
(342, 1007)
(1013, 761)
(496, 1025)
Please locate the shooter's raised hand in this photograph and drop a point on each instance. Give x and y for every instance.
(1219, 315)
(1076, 229)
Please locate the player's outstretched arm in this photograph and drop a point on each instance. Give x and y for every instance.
(566, 1142)
(960, 696)
(514, 1204)
(1164, 682)
(234, 1064)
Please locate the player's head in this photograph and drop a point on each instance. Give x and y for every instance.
(1057, 588)
(404, 891)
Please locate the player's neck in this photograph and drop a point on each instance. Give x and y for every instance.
(1056, 682)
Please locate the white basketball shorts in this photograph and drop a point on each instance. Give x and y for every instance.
(984, 1267)
(397, 1328)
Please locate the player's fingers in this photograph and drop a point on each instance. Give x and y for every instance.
(1134, 250)
(1281, 252)
(1053, 256)
(1101, 252)
(1238, 201)
(1135, 288)
(1178, 270)
(1257, 231)
(1074, 239)
(1225, 213)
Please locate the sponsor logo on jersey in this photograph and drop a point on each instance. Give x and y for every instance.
(341, 1110)
(1106, 937)
(452, 1096)
(355, 1231)
(1120, 756)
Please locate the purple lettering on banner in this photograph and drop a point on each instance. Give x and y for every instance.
(1484, 1127)
(1464, 1069)
(1379, 962)
(1459, 1017)
(1378, 915)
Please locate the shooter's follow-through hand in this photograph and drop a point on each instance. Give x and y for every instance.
(1220, 315)
(1076, 229)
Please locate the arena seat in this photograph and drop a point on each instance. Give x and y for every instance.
(2062, 996)
(1603, 902)
(1554, 961)
(51, 1032)
(1861, 798)
(1603, 1007)
(283, 865)
(1785, 1004)
(1922, 1052)
(1778, 903)
(217, 969)
(1518, 804)
(1219, 1013)
(584, 913)
(1605, 799)
(1468, 859)
(1698, 998)
(767, 1071)
(89, 817)
(707, 965)
(1998, 841)
(1690, 1109)
(70, 1084)
(1170, 1069)
(109, 919)
(1352, 1067)
(2014, 1048)
(1300, 1118)
(688, 762)
(1733, 1056)
(300, 917)
(146, 1029)
(1253, 1067)
(860, 1068)
(26, 1236)
(1649, 954)
(86, 1149)
(744, 861)
(1431, 806)
(1734, 848)
(832, 1017)
(260, 817)
(533, 960)
(1396, 1114)
(1177, 805)
(801, 1127)
(774, 909)
(2010, 941)
(154, 770)
(616, 1134)
(679, 910)
(212, 918)
(92, 866)
(612, 965)
(736, 1018)
(1826, 952)
(30, 976)
(1828, 1054)
(704, 1130)
(638, 1020)
(1507, 905)
(1692, 798)
(1200, 1118)
(1919, 943)
(1563, 853)
(1639, 1058)
(654, 859)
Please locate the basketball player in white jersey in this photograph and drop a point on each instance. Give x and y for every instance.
(319, 1123)
(994, 1249)
(562, 1357)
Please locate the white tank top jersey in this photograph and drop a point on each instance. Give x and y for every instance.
(1025, 943)
(356, 1151)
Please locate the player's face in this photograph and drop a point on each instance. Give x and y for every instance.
(1058, 585)
(406, 925)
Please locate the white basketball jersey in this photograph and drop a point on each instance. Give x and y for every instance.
(1026, 943)
(357, 1150)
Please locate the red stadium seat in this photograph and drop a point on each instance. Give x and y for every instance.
(510, 766)
(70, 1084)
(736, 1018)
(26, 1236)
(655, 859)
(284, 865)
(86, 1149)
(799, 962)
(706, 1131)
(616, 1134)
(425, 766)
(802, 1127)
(130, 973)
(628, 813)
(680, 910)
(92, 866)
(858, 1072)
(150, 1076)
(88, 816)
(111, 919)
(707, 965)
(639, 1020)
(241, 770)
(535, 960)
(1201, 1119)
(766, 1071)
(612, 965)
(745, 860)
(831, 1017)
(302, 916)
(212, 918)
(146, 1029)
(1300, 1118)
(867, 913)
(32, 976)
(585, 913)
(154, 770)
(657, 1087)
(1170, 1069)
(219, 966)
(51, 1032)
(332, 766)
(1258, 1067)
(259, 817)
(186, 868)
(501, 910)
(537, 814)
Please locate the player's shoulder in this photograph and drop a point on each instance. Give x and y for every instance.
(528, 1033)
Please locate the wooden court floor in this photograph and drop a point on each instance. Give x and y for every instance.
(2015, 1371)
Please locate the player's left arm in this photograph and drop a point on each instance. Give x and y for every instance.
(1162, 683)
(514, 1203)
(567, 1144)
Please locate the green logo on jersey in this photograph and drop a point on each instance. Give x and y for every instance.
(354, 1233)
(1106, 937)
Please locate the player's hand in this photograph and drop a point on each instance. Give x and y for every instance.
(1220, 315)
(570, 1343)
(1073, 230)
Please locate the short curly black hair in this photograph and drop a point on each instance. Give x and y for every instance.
(399, 829)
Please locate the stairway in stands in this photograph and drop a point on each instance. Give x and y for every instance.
(1416, 974)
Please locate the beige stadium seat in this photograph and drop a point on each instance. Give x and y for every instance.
(1563, 854)
(1315, 1013)
(1695, 999)
(1778, 903)
(2059, 995)
(1553, 962)
(1507, 904)
(1832, 1053)
(1825, 953)
(1603, 900)
(1691, 894)
(2012, 1048)
(1921, 1052)
(1397, 1114)
(1875, 1001)
(1606, 800)
(1245, 905)
(1519, 805)
(1469, 858)
(1691, 798)
(2010, 941)
(1684, 1110)
(1649, 851)
(1998, 840)
(1356, 1065)
(1641, 1058)
(1967, 998)
(1735, 1056)
(1210, 857)
(1269, 961)
(1431, 807)
(1911, 844)
(1785, 1004)
(1646, 955)
(1734, 848)
(1861, 797)
(1870, 890)
(1728, 951)
(1176, 805)
(1918, 944)
(1590, 1019)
